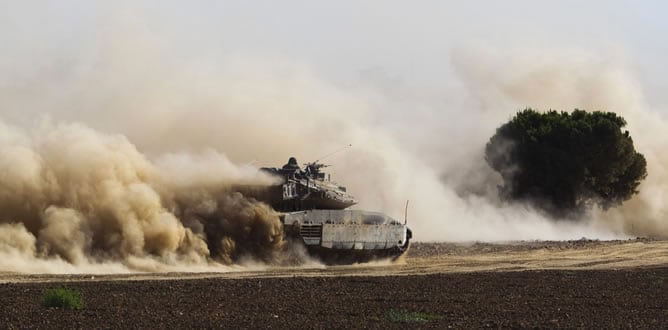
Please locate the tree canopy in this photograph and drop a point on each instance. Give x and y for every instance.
(566, 162)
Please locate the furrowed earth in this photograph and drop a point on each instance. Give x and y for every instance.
(584, 283)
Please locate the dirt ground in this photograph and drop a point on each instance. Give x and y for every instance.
(437, 285)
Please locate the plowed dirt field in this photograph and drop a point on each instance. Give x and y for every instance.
(582, 283)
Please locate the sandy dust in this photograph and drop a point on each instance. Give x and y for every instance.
(433, 258)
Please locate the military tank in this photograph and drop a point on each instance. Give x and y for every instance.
(314, 211)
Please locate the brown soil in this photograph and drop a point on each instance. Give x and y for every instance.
(551, 285)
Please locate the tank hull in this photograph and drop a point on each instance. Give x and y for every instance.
(348, 236)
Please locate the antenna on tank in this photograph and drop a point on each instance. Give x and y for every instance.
(406, 213)
(332, 153)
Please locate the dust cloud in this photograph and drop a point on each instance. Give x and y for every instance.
(72, 195)
(118, 154)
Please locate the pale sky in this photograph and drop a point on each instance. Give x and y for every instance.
(410, 42)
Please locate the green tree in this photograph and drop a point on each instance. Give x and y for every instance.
(566, 162)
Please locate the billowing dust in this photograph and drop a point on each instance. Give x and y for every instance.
(117, 154)
(74, 196)
(437, 258)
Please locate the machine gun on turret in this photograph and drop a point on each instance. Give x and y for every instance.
(312, 170)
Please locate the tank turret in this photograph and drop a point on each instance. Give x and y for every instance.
(306, 189)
